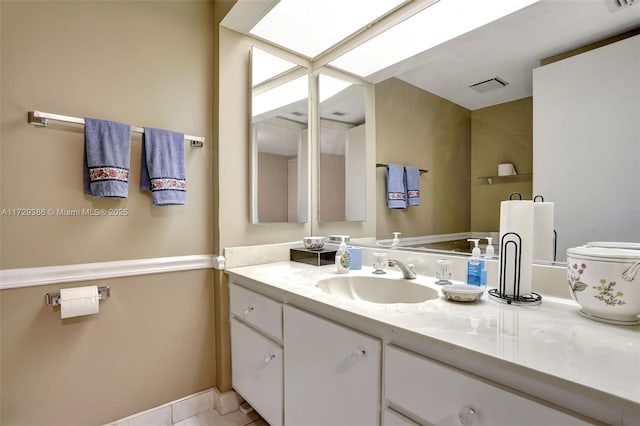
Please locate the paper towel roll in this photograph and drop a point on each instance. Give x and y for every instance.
(516, 216)
(543, 231)
(79, 301)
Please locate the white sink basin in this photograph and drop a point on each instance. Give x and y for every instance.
(377, 289)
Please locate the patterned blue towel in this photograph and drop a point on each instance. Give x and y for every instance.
(163, 170)
(396, 189)
(107, 148)
(413, 185)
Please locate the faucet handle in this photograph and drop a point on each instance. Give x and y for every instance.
(379, 263)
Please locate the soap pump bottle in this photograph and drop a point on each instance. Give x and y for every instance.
(476, 271)
(343, 258)
(490, 251)
(396, 242)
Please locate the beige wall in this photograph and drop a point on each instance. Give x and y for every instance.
(151, 343)
(273, 180)
(417, 128)
(332, 187)
(145, 63)
(499, 134)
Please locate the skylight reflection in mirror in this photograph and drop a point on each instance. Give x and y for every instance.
(310, 27)
(430, 27)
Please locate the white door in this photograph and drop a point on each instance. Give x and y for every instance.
(332, 373)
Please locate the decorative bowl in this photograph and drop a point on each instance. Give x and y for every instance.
(313, 243)
(605, 281)
(462, 292)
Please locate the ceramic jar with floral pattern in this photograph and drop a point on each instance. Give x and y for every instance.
(605, 281)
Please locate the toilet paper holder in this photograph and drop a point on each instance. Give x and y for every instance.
(53, 297)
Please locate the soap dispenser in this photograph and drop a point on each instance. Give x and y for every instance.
(489, 253)
(343, 258)
(476, 271)
(396, 242)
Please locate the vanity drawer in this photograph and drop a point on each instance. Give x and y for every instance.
(443, 395)
(257, 310)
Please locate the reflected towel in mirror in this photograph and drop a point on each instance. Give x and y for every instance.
(396, 189)
(413, 185)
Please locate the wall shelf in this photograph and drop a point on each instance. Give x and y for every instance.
(503, 179)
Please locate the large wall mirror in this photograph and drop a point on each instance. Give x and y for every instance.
(342, 149)
(428, 115)
(279, 139)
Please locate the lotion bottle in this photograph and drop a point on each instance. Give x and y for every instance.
(476, 270)
(396, 242)
(343, 258)
(490, 251)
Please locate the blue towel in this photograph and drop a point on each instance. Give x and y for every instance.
(413, 186)
(163, 170)
(396, 189)
(107, 148)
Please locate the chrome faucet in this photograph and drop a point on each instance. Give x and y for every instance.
(407, 270)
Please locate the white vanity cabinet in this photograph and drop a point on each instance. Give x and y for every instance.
(331, 373)
(257, 359)
(442, 395)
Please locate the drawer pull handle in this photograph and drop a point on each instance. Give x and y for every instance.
(359, 354)
(248, 310)
(269, 357)
(466, 416)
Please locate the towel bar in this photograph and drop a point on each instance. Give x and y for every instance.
(422, 171)
(53, 297)
(39, 118)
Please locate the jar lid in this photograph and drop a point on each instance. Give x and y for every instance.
(596, 252)
(614, 244)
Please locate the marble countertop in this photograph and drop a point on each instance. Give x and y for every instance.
(551, 338)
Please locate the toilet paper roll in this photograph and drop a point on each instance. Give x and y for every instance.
(516, 216)
(78, 301)
(543, 231)
(506, 169)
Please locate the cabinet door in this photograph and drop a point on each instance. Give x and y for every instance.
(332, 373)
(444, 396)
(257, 371)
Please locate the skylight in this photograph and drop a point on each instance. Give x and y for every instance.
(310, 27)
(281, 96)
(330, 86)
(434, 25)
(266, 66)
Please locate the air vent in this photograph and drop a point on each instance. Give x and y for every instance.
(488, 85)
(339, 113)
(615, 5)
(297, 113)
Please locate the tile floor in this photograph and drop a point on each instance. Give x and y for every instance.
(212, 418)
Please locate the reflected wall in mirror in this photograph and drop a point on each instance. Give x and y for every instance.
(342, 150)
(279, 139)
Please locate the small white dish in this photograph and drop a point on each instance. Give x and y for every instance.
(462, 292)
(313, 243)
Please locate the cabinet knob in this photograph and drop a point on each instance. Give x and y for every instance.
(269, 357)
(358, 354)
(466, 416)
(248, 310)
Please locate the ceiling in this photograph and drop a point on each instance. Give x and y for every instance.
(509, 48)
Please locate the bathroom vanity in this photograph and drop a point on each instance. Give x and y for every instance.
(302, 355)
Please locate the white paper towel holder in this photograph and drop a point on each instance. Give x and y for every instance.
(53, 297)
(555, 233)
(514, 241)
